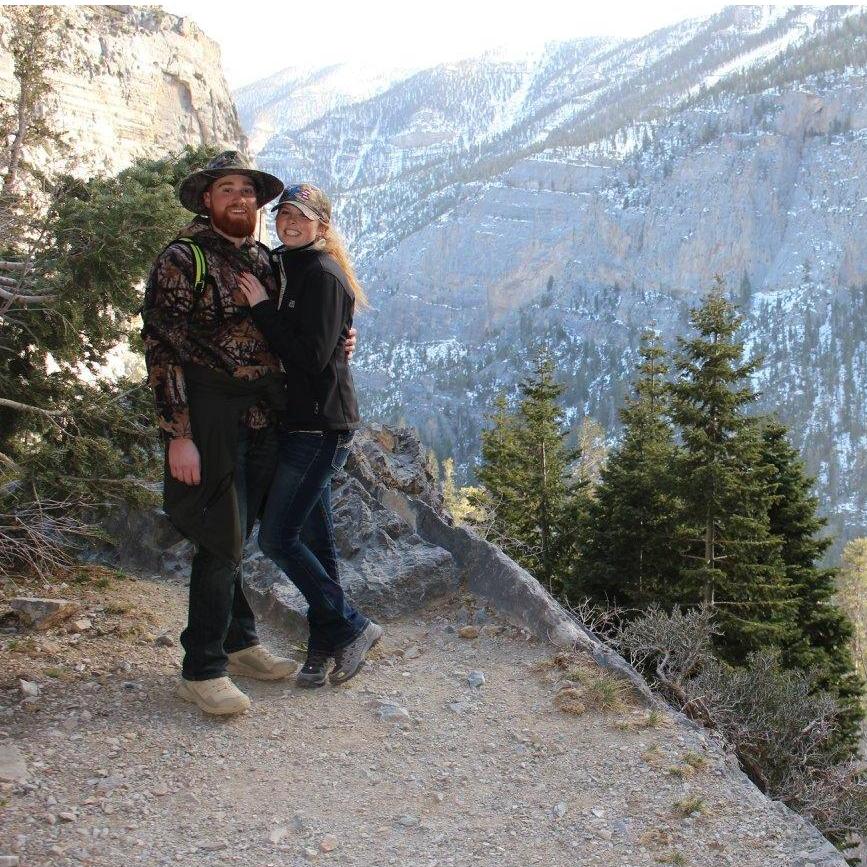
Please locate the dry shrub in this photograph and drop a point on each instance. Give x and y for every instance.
(568, 700)
(780, 725)
(39, 538)
(655, 837)
(690, 806)
(653, 719)
(584, 686)
(695, 760)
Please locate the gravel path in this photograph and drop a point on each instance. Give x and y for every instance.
(406, 765)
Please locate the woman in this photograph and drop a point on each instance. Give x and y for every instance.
(318, 294)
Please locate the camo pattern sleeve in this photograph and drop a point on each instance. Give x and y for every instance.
(169, 299)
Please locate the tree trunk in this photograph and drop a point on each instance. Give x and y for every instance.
(709, 560)
(20, 136)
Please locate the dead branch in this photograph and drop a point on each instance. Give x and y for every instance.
(39, 537)
(24, 299)
(25, 407)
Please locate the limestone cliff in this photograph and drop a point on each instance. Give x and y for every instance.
(131, 81)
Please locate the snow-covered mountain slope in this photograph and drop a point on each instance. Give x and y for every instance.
(291, 99)
(579, 194)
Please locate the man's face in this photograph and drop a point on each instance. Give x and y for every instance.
(231, 204)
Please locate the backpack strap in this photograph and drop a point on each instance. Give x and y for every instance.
(201, 265)
(200, 276)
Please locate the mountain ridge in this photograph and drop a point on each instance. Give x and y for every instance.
(626, 176)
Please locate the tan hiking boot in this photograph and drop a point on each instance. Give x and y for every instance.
(260, 663)
(218, 695)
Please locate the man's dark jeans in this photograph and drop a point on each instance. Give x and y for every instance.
(301, 497)
(220, 618)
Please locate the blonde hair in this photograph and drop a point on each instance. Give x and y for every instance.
(331, 242)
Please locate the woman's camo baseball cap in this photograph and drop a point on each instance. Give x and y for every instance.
(310, 200)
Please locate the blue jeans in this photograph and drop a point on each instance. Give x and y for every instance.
(220, 619)
(300, 497)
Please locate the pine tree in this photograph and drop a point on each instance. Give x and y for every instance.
(822, 640)
(35, 42)
(630, 533)
(725, 487)
(76, 292)
(528, 489)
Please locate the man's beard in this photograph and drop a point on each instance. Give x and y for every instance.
(235, 225)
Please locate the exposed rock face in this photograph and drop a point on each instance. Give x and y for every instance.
(388, 570)
(398, 549)
(130, 82)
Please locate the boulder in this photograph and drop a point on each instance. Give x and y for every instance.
(141, 537)
(43, 613)
(387, 570)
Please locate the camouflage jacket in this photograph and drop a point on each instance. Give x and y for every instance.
(214, 330)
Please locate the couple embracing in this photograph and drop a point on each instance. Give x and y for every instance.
(247, 352)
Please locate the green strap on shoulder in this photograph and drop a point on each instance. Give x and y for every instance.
(200, 263)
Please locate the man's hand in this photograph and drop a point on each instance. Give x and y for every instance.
(253, 290)
(184, 461)
(349, 343)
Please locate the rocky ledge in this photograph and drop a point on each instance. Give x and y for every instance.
(401, 552)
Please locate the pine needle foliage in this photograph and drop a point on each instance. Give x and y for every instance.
(822, 640)
(632, 524)
(733, 560)
(70, 435)
(529, 490)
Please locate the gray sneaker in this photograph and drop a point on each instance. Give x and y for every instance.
(349, 660)
(314, 672)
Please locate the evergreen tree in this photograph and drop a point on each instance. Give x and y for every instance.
(726, 488)
(528, 490)
(630, 533)
(77, 286)
(822, 641)
(35, 42)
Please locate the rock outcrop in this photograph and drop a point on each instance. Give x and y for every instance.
(399, 550)
(130, 81)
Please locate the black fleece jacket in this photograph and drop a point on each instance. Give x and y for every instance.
(304, 328)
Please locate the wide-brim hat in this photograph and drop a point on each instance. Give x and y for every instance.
(192, 187)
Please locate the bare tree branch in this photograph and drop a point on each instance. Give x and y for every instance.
(38, 537)
(24, 407)
(23, 299)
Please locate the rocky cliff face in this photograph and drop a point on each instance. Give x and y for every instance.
(579, 195)
(130, 81)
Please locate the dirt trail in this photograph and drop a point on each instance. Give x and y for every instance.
(121, 772)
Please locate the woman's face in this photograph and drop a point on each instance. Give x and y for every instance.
(294, 229)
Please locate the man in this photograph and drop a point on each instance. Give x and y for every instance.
(217, 389)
